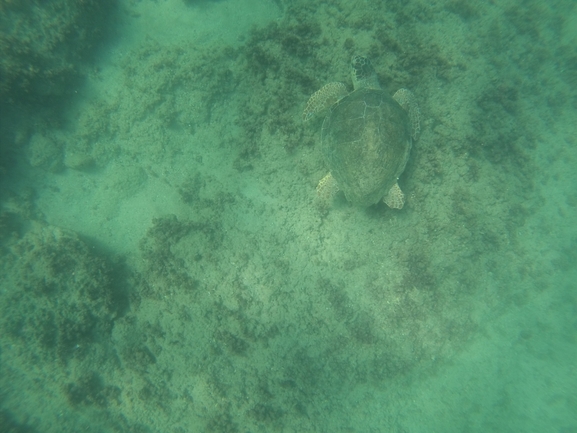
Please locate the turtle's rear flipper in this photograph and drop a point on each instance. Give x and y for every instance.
(323, 98)
(395, 199)
(326, 190)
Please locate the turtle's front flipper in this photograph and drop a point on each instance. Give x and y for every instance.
(407, 100)
(395, 199)
(323, 98)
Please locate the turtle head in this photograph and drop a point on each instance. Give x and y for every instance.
(363, 73)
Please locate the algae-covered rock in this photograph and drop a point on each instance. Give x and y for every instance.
(59, 296)
(42, 44)
(44, 151)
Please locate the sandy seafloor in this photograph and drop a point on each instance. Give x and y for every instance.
(177, 273)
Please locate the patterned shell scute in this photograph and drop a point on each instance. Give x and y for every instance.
(366, 140)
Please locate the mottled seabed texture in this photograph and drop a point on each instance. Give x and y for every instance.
(165, 264)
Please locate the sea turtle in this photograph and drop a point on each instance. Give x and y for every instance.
(366, 137)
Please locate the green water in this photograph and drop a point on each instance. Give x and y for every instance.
(166, 265)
